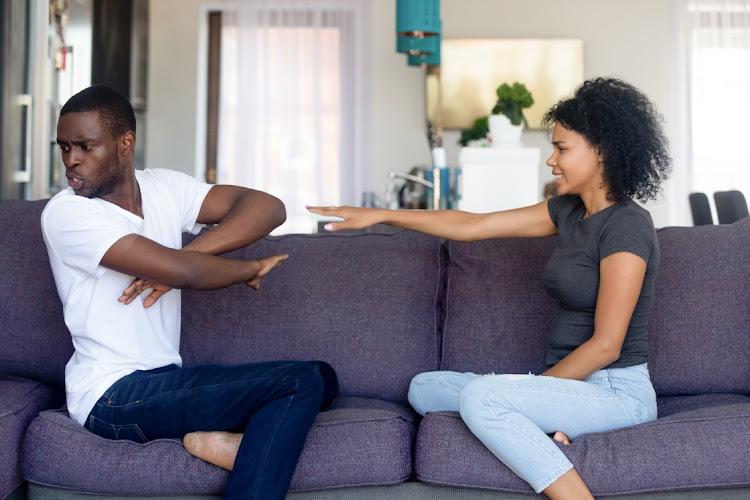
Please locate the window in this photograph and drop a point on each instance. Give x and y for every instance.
(291, 103)
(714, 96)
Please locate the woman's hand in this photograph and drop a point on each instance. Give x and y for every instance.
(354, 217)
(266, 264)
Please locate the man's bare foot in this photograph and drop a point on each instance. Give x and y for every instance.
(218, 448)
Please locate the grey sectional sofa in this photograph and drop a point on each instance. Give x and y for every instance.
(382, 308)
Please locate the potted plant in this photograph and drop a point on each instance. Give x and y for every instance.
(477, 132)
(507, 120)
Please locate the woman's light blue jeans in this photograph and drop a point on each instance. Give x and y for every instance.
(513, 414)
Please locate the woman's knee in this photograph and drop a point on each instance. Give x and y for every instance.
(481, 396)
(417, 391)
(431, 391)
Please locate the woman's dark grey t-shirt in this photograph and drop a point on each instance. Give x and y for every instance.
(571, 275)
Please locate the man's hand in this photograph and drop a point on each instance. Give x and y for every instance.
(138, 286)
(266, 264)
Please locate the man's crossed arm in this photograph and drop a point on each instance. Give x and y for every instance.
(242, 215)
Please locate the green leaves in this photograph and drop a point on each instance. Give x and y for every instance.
(511, 100)
(478, 131)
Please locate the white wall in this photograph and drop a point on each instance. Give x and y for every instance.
(630, 40)
(173, 83)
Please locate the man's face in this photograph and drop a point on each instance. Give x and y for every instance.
(89, 152)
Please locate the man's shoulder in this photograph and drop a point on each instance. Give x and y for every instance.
(66, 202)
(161, 175)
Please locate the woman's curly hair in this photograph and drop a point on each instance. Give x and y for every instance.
(621, 123)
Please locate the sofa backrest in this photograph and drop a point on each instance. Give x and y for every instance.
(34, 341)
(699, 335)
(366, 303)
(497, 314)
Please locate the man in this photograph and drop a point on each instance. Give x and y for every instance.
(116, 232)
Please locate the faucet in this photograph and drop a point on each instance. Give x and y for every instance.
(409, 177)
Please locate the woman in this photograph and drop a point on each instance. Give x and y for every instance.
(608, 148)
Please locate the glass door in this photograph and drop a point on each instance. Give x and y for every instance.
(15, 100)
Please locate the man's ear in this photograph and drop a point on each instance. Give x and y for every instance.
(126, 143)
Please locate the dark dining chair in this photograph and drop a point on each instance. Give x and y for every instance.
(701, 209)
(731, 206)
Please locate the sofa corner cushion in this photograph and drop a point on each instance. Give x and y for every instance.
(20, 401)
(366, 303)
(347, 446)
(703, 448)
(35, 342)
(701, 306)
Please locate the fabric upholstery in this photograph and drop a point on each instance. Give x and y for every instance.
(368, 304)
(699, 335)
(697, 449)
(35, 341)
(670, 405)
(358, 442)
(20, 402)
(497, 316)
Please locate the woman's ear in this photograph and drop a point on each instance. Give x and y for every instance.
(599, 155)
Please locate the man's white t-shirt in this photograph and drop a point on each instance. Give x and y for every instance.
(112, 339)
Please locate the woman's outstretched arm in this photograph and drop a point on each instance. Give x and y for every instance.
(524, 222)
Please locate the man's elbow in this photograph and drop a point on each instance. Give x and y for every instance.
(277, 212)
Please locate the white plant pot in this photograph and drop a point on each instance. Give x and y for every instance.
(502, 133)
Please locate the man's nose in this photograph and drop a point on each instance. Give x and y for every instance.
(71, 159)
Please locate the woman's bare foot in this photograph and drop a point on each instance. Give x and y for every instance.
(218, 448)
(562, 438)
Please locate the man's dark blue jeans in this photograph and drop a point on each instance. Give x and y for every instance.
(274, 403)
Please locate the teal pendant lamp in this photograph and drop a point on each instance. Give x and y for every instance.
(431, 58)
(418, 18)
(418, 29)
(418, 34)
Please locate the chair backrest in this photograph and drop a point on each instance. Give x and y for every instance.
(700, 208)
(730, 206)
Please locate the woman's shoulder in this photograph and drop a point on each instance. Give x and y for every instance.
(628, 213)
(563, 206)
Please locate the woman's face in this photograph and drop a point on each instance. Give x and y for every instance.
(577, 166)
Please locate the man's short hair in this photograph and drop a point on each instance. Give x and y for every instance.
(115, 111)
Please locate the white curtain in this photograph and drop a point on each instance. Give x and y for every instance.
(292, 102)
(712, 95)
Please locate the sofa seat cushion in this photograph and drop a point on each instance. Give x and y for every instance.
(704, 448)
(357, 442)
(20, 401)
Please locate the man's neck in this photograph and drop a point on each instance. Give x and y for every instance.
(127, 195)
